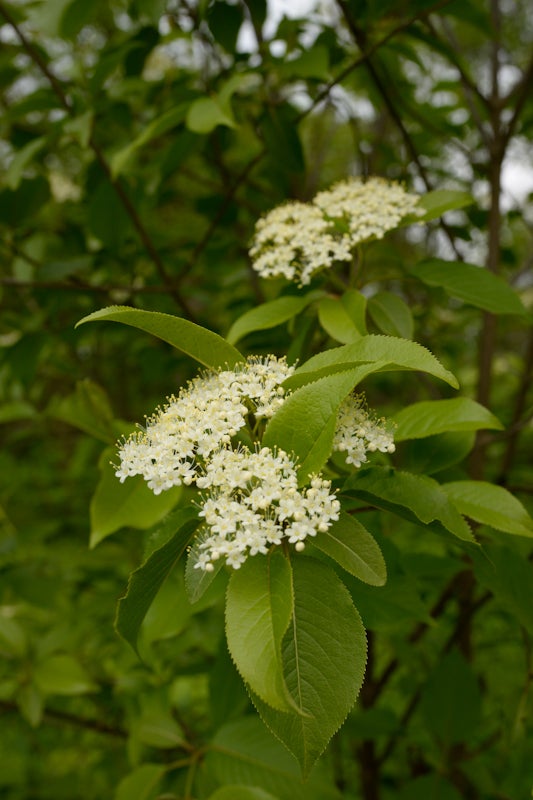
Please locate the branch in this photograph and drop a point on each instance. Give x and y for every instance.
(243, 175)
(73, 719)
(360, 40)
(130, 209)
(518, 412)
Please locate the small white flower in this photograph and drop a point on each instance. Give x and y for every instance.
(204, 417)
(253, 502)
(357, 432)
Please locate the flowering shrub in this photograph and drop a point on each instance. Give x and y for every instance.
(275, 455)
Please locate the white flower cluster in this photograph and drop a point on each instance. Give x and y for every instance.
(358, 432)
(253, 501)
(200, 420)
(296, 240)
(368, 209)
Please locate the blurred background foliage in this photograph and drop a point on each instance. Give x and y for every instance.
(140, 140)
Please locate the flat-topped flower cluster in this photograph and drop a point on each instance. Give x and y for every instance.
(296, 240)
(250, 497)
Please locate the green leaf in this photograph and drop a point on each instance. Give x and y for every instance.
(392, 352)
(236, 792)
(158, 729)
(439, 416)
(206, 113)
(415, 497)
(474, 285)
(168, 614)
(15, 171)
(324, 654)
(436, 453)
(391, 314)
(198, 581)
(490, 505)
(87, 409)
(141, 784)
(438, 202)
(354, 548)
(343, 318)
(451, 701)
(130, 504)
(245, 751)
(269, 315)
(259, 606)
(61, 674)
(305, 424)
(146, 581)
(509, 577)
(31, 704)
(201, 344)
(157, 127)
(12, 636)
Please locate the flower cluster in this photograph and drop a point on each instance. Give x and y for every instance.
(251, 499)
(253, 502)
(296, 240)
(358, 432)
(204, 417)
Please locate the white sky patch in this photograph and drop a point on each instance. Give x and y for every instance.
(277, 9)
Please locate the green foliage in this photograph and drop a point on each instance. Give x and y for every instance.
(140, 143)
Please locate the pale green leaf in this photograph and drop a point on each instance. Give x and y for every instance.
(324, 655)
(15, 172)
(198, 581)
(490, 505)
(343, 317)
(259, 605)
(131, 504)
(393, 352)
(415, 497)
(430, 417)
(61, 674)
(305, 424)
(391, 315)
(269, 315)
(354, 548)
(436, 203)
(200, 343)
(474, 285)
(146, 581)
(206, 113)
(158, 729)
